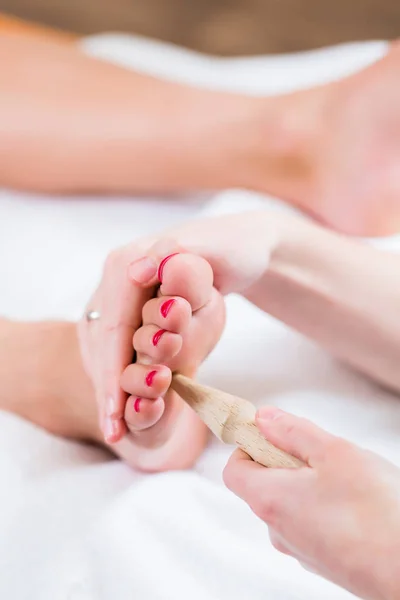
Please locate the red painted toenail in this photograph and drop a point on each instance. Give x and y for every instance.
(149, 378)
(136, 406)
(166, 307)
(162, 265)
(157, 336)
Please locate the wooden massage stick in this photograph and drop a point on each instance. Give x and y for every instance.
(232, 420)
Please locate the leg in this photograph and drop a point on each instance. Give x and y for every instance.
(43, 380)
(80, 124)
(333, 150)
(337, 150)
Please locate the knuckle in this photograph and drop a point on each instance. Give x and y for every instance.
(286, 424)
(267, 509)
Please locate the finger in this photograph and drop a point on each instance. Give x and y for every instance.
(168, 312)
(294, 435)
(262, 489)
(158, 344)
(145, 381)
(121, 313)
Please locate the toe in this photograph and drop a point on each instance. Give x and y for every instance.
(171, 313)
(189, 277)
(158, 344)
(205, 329)
(146, 381)
(142, 413)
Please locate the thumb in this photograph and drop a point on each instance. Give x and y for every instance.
(294, 435)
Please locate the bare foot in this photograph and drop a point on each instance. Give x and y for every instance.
(358, 175)
(180, 327)
(334, 150)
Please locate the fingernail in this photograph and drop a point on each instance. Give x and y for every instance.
(142, 270)
(166, 307)
(111, 407)
(110, 430)
(157, 336)
(149, 378)
(162, 265)
(136, 406)
(269, 413)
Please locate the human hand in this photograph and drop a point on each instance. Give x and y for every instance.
(340, 517)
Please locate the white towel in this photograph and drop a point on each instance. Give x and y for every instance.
(75, 525)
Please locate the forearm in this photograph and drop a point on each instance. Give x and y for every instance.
(72, 123)
(343, 294)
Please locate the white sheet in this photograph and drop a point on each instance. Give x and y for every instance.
(76, 525)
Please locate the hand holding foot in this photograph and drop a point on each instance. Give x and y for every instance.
(166, 310)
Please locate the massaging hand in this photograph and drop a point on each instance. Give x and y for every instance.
(340, 518)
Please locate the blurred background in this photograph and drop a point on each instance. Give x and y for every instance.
(224, 27)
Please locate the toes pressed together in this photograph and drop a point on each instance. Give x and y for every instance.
(166, 339)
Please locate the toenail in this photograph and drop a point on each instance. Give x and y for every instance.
(157, 336)
(162, 265)
(136, 406)
(149, 378)
(166, 307)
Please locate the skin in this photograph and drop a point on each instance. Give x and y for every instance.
(272, 253)
(349, 304)
(329, 288)
(330, 150)
(305, 147)
(340, 518)
(148, 424)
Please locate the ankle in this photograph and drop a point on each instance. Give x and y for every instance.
(43, 380)
(286, 133)
(70, 386)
